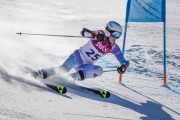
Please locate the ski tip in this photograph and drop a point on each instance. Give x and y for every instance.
(48, 85)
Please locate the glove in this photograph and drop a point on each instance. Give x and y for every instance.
(100, 35)
(123, 67)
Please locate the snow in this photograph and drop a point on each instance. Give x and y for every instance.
(141, 94)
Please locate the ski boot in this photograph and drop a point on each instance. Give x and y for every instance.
(41, 73)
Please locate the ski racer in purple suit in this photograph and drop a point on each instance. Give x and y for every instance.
(83, 59)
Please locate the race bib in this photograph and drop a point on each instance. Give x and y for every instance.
(93, 50)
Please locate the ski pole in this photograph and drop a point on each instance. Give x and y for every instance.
(20, 33)
(109, 70)
(120, 75)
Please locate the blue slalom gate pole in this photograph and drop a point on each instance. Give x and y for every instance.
(164, 32)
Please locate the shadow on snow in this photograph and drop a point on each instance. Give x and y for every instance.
(151, 109)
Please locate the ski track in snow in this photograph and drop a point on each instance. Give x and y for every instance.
(140, 96)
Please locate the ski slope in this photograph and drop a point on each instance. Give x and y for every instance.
(140, 96)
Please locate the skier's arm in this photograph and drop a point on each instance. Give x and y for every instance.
(120, 57)
(99, 34)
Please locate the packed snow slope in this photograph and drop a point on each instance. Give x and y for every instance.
(141, 94)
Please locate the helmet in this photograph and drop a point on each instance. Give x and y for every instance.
(113, 29)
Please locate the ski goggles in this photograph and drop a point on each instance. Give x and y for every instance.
(114, 34)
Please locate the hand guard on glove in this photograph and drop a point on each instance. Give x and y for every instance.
(100, 35)
(123, 67)
(86, 32)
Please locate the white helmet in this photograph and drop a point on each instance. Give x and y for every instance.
(113, 29)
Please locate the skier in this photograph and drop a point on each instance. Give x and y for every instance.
(83, 59)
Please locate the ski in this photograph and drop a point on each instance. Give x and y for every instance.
(101, 93)
(60, 89)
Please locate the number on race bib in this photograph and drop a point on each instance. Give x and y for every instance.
(93, 55)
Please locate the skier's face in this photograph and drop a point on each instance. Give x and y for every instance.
(112, 40)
